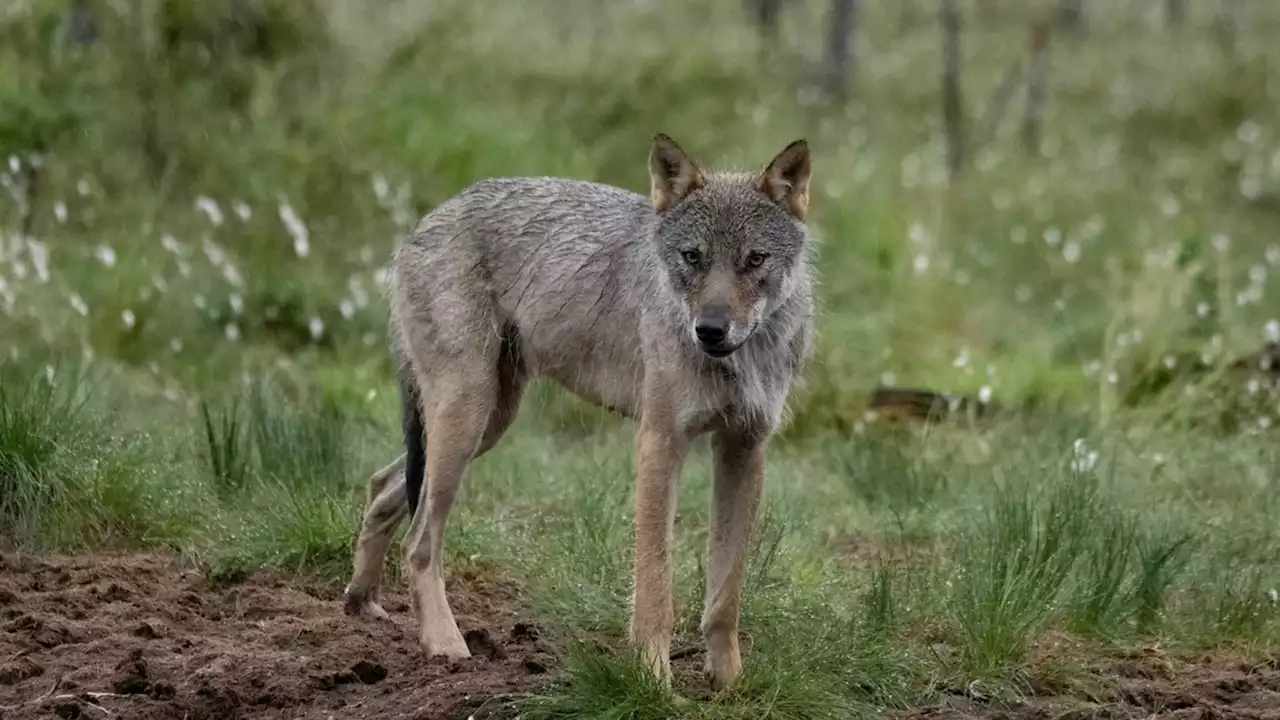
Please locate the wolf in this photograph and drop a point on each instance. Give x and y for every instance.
(689, 311)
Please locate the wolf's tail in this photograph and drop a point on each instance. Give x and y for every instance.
(415, 438)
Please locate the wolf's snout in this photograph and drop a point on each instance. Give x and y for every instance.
(712, 330)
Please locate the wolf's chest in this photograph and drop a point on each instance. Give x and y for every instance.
(748, 396)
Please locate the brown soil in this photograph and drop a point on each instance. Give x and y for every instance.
(140, 636)
(1146, 685)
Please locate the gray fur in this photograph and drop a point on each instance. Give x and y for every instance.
(600, 290)
(578, 275)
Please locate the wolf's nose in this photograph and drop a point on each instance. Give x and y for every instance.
(712, 329)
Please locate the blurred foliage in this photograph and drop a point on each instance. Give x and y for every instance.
(127, 121)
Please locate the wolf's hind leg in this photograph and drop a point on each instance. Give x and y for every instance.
(385, 507)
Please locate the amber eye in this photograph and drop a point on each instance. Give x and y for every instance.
(756, 259)
(693, 257)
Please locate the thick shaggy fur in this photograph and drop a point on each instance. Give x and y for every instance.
(689, 311)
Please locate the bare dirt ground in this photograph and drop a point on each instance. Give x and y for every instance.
(1134, 685)
(140, 636)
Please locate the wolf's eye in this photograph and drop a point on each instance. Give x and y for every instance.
(756, 259)
(693, 257)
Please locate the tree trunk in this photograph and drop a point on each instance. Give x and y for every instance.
(1037, 82)
(908, 14)
(1228, 27)
(1071, 15)
(952, 99)
(989, 12)
(841, 56)
(82, 29)
(766, 15)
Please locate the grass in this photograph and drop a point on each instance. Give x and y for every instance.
(191, 267)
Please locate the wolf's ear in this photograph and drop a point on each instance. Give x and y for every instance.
(786, 179)
(672, 174)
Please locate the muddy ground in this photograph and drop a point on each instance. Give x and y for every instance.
(142, 636)
(1137, 688)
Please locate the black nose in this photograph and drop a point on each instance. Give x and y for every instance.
(712, 327)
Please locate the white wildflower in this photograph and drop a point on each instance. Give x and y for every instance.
(232, 332)
(39, 253)
(60, 211)
(358, 294)
(1249, 132)
(316, 326)
(168, 242)
(212, 251)
(105, 255)
(232, 275)
(1071, 252)
(1083, 459)
(128, 319)
(209, 207)
(297, 230)
(78, 304)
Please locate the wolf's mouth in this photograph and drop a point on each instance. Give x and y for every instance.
(720, 352)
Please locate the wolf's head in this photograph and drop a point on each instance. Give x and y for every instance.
(732, 243)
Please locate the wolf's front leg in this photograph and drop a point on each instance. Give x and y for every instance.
(660, 450)
(738, 460)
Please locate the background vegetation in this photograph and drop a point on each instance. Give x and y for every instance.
(1065, 210)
